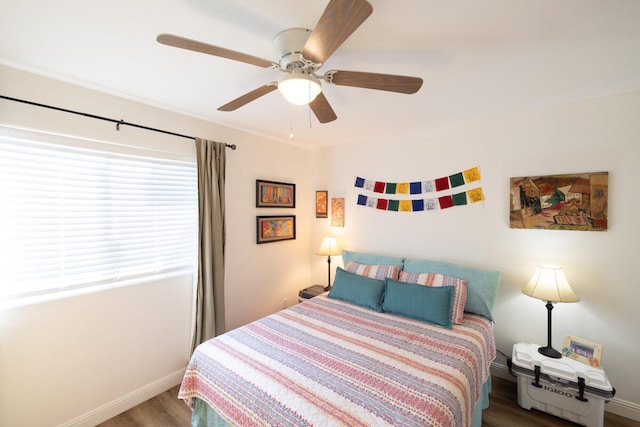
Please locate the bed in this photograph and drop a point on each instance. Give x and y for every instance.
(379, 349)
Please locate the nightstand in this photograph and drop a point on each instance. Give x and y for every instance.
(562, 387)
(310, 292)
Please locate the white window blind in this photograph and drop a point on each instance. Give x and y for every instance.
(73, 217)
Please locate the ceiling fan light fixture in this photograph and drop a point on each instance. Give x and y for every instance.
(299, 88)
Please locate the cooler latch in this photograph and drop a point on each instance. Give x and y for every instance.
(581, 386)
(536, 372)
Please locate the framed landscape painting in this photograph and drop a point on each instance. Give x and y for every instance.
(560, 202)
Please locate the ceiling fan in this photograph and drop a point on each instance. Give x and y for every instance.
(301, 53)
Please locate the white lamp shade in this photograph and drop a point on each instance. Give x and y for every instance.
(549, 283)
(329, 247)
(299, 88)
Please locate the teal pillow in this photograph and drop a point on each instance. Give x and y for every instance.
(426, 303)
(358, 290)
(482, 285)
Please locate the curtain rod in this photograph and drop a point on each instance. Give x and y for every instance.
(107, 119)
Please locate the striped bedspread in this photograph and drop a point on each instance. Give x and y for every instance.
(326, 362)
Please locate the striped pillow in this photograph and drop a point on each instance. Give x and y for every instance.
(379, 272)
(437, 279)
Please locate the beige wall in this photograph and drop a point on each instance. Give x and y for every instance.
(586, 136)
(78, 361)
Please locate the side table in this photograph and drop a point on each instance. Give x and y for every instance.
(310, 292)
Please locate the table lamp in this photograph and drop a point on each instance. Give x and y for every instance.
(329, 248)
(549, 284)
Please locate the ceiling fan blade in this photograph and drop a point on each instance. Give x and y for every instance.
(184, 43)
(388, 82)
(321, 108)
(248, 97)
(339, 20)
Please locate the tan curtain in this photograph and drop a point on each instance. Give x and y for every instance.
(209, 310)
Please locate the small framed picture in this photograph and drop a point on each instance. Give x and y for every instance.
(582, 350)
(321, 204)
(275, 228)
(272, 194)
(337, 212)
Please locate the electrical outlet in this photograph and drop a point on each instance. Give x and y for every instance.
(284, 303)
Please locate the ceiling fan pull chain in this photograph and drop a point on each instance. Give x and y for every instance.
(290, 121)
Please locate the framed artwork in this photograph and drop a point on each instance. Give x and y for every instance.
(560, 202)
(275, 228)
(582, 350)
(337, 212)
(272, 194)
(321, 204)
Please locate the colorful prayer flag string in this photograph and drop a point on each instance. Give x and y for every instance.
(418, 205)
(420, 187)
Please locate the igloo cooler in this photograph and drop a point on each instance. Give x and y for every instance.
(562, 387)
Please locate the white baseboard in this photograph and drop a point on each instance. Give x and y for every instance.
(128, 401)
(616, 406)
(502, 371)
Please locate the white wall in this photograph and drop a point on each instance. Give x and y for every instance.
(260, 277)
(587, 136)
(80, 360)
(84, 358)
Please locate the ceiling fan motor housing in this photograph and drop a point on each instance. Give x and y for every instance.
(288, 44)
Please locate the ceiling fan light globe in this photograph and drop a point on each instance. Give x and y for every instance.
(299, 89)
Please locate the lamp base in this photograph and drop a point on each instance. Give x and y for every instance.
(550, 352)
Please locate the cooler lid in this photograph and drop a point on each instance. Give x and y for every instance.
(527, 357)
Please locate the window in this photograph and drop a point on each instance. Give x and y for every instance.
(75, 213)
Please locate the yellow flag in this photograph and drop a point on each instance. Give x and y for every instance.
(471, 175)
(475, 195)
(402, 188)
(405, 206)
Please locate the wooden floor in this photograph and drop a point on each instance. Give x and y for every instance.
(165, 410)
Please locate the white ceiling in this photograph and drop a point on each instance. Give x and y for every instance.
(476, 57)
